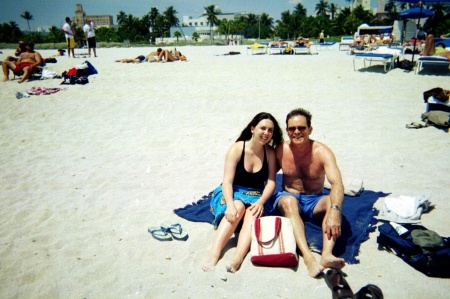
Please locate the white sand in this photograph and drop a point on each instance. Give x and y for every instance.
(84, 172)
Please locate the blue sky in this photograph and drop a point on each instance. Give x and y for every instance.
(47, 13)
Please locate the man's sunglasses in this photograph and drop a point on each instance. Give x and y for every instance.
(300, 128)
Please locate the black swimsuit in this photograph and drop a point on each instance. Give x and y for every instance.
(248, 179)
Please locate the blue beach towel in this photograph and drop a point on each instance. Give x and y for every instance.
(358, 220)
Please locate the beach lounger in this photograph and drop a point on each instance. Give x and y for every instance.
(259, 48)
(345, 42)
(431, 60)
(387, 60)
(385, 56)
(325, 46)
(301, 50)
(276, 49)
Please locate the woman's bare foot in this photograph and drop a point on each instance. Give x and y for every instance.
(314, 268)
(330, 261)
(209, 265)
(234, 264)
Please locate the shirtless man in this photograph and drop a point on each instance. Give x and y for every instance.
(27, 62)
(305, 164)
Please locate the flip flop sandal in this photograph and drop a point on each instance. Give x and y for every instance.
(369, 291)
(175, 230)
(415, 126)
(159, 234)
(340, 289)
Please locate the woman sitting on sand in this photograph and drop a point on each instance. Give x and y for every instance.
(249, 163)
(431, 50)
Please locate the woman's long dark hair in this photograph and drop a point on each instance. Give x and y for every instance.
(277, 136)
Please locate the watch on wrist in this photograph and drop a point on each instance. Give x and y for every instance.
(336, 207)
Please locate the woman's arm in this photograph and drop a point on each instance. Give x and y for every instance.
(231, 159)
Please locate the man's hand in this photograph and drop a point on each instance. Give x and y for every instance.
(257, 209)
(333, 224)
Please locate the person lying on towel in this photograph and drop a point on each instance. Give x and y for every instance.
(249, 163)
(305, 164)
(27, 62)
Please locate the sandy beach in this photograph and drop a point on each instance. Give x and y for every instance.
(85, 171)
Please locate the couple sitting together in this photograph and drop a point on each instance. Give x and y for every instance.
(156, 56)
(251, 164)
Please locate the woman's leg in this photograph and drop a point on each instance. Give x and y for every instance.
(244, 242)
(223, 234)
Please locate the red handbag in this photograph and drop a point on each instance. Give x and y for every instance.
(273, 242)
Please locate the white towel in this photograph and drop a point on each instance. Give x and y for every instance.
(404, 209)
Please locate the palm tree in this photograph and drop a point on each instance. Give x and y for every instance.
(299, 9)
(27, 16)
(391, 6)
(172, 20)
(333, 9)
(121, 17)
(322, 8)
(211, 16)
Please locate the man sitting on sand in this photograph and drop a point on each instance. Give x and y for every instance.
(27, 62)
(306, 164)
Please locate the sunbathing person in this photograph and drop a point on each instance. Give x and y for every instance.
(358, 41)
(27, 62)
(279, 43)
(169, 56)
(140, 58)
(431, 50)
(302, 42)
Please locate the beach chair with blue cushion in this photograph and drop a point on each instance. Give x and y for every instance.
(431, 60)
(301, 50)
(384, 56)
(277, 49)
(345, 42)
(325, 46)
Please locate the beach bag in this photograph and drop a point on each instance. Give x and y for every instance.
(422, 249)
(273, 242)
(437, 118)
(405, 64)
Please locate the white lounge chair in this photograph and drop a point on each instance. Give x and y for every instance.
(433, 60)
(258, 48)
(385, 56)
(345, 42)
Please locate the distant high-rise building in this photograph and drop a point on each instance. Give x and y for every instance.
(381, 5)
(99, 20)
(365, 3)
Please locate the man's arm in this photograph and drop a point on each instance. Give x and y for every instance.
(333, 216)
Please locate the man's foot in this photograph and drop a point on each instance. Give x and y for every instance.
(234, 265)
(314, 268)
(330, 261)
(209, 265)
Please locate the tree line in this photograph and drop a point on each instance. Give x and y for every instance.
(333, 20)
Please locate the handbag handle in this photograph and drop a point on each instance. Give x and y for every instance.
(258, 230)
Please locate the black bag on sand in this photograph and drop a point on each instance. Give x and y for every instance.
(422, 249)
(405, 64)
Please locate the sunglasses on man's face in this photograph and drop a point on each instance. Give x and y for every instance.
(300, 128)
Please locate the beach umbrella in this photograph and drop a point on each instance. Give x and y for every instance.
(416, 13)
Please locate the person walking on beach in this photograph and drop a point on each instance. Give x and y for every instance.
(69, 33)
(249, 163)
(321, 37)
(89, 33)
(306, 164)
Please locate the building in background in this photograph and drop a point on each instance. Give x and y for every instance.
(99, 20)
